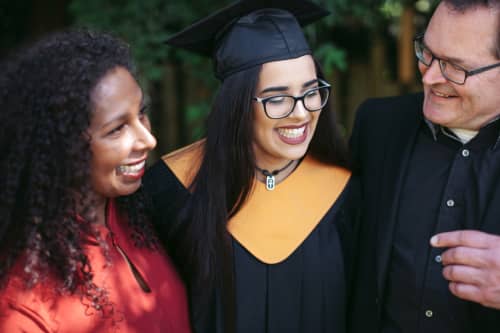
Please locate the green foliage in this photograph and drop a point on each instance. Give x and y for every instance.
(140, 23)
(346, 15)
(195, 114)
(145, 24)
(331, 58)
(391, 8)
(343, 11)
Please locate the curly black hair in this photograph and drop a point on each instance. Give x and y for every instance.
(46, 108)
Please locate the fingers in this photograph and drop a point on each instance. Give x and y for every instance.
(472, 265)
(474, 293)
(467, 292)
(469, 238)
(466, 256)
(463, 275)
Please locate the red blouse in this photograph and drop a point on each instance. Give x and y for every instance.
(160, 305)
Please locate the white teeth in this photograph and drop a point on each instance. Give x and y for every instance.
(128, 169)
(292, 133)
(440, 94)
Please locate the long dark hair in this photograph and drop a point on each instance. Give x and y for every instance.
(45, 96)
(199, 241)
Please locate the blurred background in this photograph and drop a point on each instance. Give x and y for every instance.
(365, 48)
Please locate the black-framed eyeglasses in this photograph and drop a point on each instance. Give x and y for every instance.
(281, 106)
(452, 72)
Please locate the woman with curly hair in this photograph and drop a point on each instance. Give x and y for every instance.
(77, 253)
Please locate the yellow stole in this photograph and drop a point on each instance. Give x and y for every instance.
(271, 225)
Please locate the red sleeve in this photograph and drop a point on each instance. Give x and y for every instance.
(21, 319)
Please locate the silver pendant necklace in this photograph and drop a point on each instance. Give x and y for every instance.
(270, 176)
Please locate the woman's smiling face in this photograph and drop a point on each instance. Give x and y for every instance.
(277, 141)
(120, 135)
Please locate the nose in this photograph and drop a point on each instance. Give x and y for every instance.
(431, 74)
(145, 140)
(299, 111)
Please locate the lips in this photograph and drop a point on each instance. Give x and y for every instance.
(293, 135)
(135, 169)
(442, 94)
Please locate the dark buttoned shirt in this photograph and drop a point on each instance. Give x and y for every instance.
(446, 188)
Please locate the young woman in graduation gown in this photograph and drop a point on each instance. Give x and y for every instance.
(257, 214)
(77, 253)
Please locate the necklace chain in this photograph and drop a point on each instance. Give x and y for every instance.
(270, 179)
(274, 172)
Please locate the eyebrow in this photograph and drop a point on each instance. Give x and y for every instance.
(284, 88)
(124, 114)
(455, 61)
(452, 60)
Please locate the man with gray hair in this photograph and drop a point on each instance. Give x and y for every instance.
(429, 166)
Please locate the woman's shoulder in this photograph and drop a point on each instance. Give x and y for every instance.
(167, 183)
(174, 170)
(185, 162)
(27, 309)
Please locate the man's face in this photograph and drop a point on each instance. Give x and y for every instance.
(466, 39)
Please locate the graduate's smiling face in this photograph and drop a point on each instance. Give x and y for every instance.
(120, 137)
(277, 141)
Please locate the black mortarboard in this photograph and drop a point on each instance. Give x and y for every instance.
(249, 33)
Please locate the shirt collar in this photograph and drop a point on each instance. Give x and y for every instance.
(438, 129)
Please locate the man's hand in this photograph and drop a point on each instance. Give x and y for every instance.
(472, 265)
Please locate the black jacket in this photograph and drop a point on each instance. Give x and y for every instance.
(382, 140)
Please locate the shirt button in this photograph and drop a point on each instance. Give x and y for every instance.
(429, 313)
(450, 203)
(438, 259)
(465, 153)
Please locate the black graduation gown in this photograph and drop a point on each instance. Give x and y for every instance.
(305, 292)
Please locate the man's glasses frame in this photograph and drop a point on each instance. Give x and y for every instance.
(420, 47)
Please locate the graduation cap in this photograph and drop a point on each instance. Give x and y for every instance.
(248, 33)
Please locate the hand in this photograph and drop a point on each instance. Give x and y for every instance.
(472, 265)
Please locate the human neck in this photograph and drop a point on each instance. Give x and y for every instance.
(279, 174)
(100, 206)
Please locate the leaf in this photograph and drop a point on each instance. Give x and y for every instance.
(331, 57)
